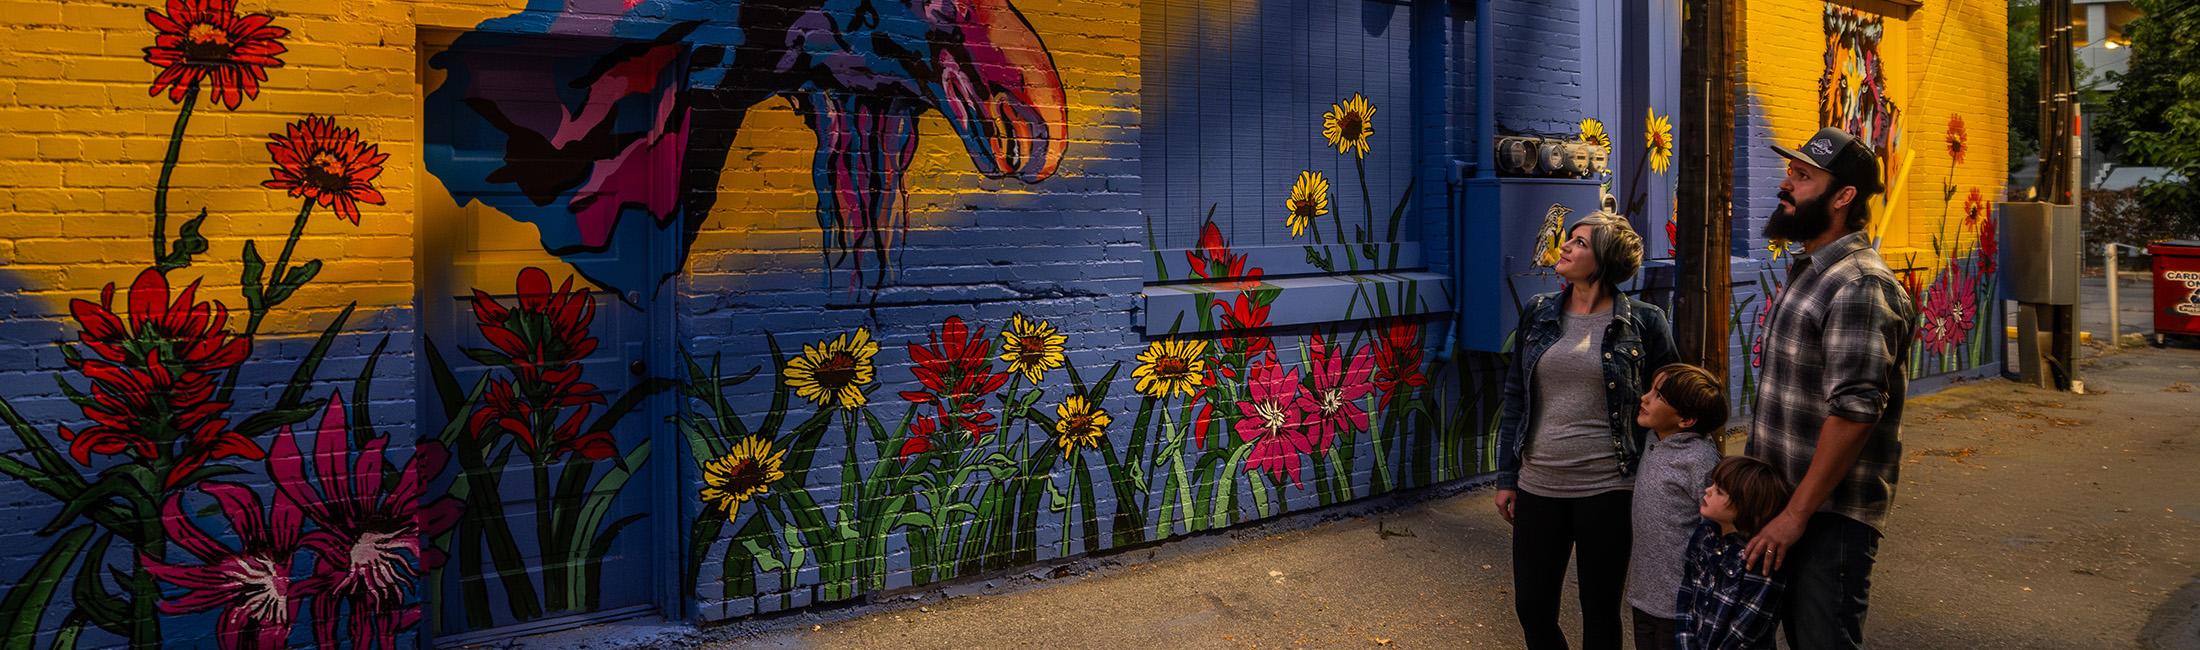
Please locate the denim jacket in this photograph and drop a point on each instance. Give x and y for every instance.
(1636, 344)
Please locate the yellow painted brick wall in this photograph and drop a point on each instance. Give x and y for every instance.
(82, 150)
(1946, 58)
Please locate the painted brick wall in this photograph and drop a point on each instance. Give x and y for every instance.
(804, 355)
(1943, 62)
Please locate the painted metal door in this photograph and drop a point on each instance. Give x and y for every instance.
(537, 378)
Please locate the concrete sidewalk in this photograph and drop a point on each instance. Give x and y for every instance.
(2025, 519)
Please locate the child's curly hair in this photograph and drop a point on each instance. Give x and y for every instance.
(1754, 489)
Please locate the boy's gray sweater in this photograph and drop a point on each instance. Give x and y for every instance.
(1668, 491)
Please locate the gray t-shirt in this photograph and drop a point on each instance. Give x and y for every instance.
(1569, 450)
(1668, 490)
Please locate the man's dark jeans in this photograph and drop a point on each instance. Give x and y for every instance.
(1829, 574)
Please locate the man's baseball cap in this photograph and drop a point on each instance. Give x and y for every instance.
(1840, 154)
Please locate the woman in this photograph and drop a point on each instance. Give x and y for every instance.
(1567, 444)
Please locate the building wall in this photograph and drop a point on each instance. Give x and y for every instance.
(1939, 72)
(495, 306)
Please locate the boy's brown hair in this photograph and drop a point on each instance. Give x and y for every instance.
(1755, 490)
(1695, 394)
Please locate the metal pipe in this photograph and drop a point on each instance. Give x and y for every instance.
(2115, 317)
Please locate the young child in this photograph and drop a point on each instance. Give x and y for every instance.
(1724, 605)
(1684, 405)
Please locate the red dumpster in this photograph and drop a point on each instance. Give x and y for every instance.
(2176, 286)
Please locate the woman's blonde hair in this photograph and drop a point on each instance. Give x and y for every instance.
(1614, 245)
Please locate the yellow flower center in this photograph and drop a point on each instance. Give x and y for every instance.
(1332, 400)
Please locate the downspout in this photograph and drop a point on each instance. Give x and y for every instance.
(1480, 166)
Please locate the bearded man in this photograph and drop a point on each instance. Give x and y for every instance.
(1829, 399)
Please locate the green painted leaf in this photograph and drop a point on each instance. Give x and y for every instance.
(254, 267)
(108, 611)
(300, 274)
(362, 426)
(26, 602)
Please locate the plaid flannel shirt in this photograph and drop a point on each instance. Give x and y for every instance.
(1837, 344)
(1723, 605)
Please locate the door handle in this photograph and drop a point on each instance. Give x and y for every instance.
(638, 368)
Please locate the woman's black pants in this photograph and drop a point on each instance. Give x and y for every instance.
(1546, 532)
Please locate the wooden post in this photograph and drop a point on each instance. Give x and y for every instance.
(1703, 295)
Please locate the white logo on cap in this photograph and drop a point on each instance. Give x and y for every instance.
(1820, 147)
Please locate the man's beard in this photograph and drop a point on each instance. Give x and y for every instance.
(1803, 222)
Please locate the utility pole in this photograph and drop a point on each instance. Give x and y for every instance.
(1702, 294)
(2045, 252)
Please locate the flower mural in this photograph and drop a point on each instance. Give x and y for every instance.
(1337, 385)
(206, 42)
(1309, 199)
(1958, 139)
(747, 470)
(154, 377)
(1949, 312)
(1349, 124)
(1081, 424)
(1592, 132)
(1274, 422)
(326, 164)
(251, 585)
(1171, 367)
(1031, 347)
(833, 373)
(1657, 141)
(956, 371)
(367, 553)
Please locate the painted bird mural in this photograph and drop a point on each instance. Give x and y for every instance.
(599, 121)
(1548, 238)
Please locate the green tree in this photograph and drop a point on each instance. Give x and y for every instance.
(2024, 82)
(2153, 117)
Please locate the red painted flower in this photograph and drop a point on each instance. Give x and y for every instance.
(1275, 422)
(1247, 311)
(921, 429)
(1989, 245)
(205, 40)
(252, 585)
(154, 376)
(543, 342)
(957, 373)
(1212, 260)
(1338, 385)
(544, 339)
(367, 547)
(1672, 238)
(1398, 360)
(1958, 139)
(1974, 208)
(327, 164)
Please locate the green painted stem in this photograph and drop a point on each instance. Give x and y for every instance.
(167, 169)
(282, 263)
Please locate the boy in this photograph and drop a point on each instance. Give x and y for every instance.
(1684, 405)
(1723, 604)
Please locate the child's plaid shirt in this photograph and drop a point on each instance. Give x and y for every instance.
(1724, 605)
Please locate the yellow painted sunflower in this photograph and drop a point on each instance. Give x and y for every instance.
(1171, 367)
(832, 373)
(1592, 132)
(1348, 125)
(746, 471)
(1031, 346)
(1309, 199)
(1083, 424)
(1658, 138)
(1778, 247)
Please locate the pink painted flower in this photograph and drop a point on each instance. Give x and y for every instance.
(1274, 421)
(251, 586)
(367, 545)
(1338, 385)
(1949, 314)
(1398, 360)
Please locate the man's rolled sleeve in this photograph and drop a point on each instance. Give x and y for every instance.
(1863, 331)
